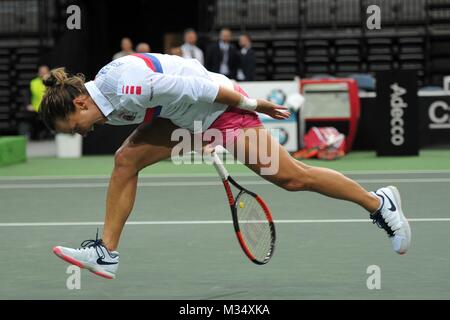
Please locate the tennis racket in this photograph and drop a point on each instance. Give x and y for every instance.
(252, 220)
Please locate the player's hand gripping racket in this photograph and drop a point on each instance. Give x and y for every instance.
(252, 219)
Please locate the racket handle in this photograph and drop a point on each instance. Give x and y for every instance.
(219, 166)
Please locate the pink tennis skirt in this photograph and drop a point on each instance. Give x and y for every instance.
(232, 121)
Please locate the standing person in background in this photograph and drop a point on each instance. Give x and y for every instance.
(143, 47)
(246, 72)
(33, 127)
(176, 51)
(222, 56)
(127, 48)
(189, 47)
(37, 89)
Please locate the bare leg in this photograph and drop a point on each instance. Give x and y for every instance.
(148, 144)
(293, 175)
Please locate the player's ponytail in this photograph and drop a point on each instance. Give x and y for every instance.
(57, 102)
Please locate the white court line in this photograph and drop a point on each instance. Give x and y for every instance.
(200, 222)
(107, 177)
(87, 177)
(197, 183)
(206, 175)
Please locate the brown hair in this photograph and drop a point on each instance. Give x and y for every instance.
(57, 102)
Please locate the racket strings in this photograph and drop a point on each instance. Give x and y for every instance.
(255, 227)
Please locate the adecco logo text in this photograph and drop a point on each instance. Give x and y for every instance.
(397, 122)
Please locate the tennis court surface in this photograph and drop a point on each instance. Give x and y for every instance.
(179, 242)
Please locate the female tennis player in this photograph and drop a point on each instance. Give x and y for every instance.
(164, 93)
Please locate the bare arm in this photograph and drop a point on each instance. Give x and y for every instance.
(234, 98)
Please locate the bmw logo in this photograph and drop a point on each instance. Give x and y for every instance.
(277, 96)
(283, 136)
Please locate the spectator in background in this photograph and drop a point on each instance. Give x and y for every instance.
(189, 48)
(222, 56)
(127, 48)
(37, 89)
(143, 47)
(246, 72)
(176, 51)
(33, 127)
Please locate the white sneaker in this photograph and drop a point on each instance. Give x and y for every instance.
(93, 256)
(390, 217)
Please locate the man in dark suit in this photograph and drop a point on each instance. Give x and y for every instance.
(247, 69)
(222, 56)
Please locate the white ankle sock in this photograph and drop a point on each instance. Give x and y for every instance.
(381, 201)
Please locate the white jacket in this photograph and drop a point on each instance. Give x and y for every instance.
(181, 89)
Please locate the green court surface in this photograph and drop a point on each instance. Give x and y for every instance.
(180, 244)
(102, 165)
